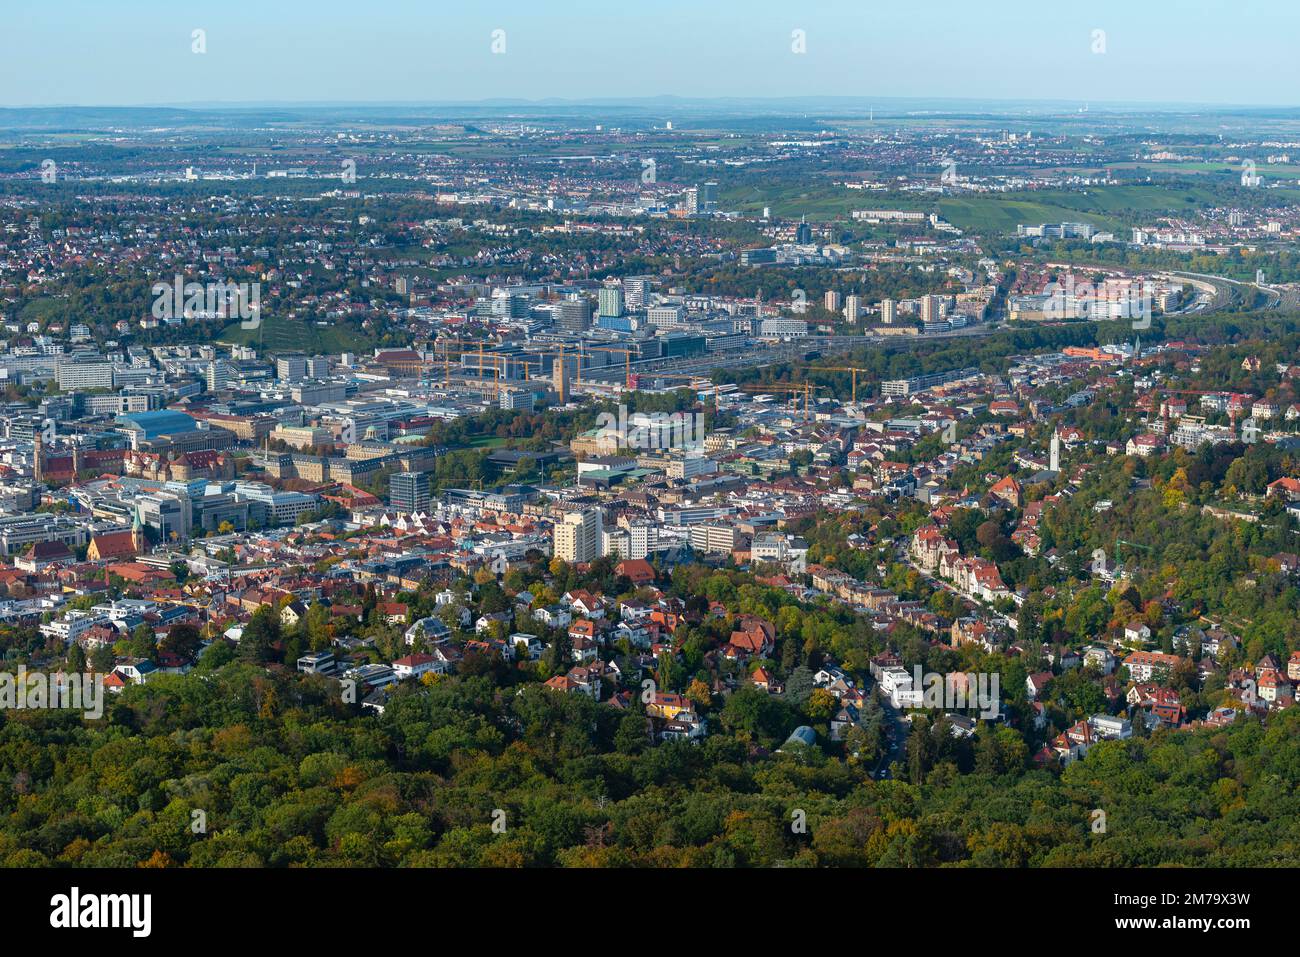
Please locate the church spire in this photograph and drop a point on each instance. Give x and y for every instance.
(137, 534)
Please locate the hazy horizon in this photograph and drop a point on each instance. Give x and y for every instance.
(1206, 53)
(854, 102)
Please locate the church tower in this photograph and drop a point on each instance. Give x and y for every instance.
(137, 536)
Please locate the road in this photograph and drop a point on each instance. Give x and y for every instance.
(897, 729)
(1232, 293)
(1214, 293)
(903, 556)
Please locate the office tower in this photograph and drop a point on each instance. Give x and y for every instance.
(714, 538)
(291, 368)
(573, 315)
(803, 233)
(709, 197)
(408, 492)
(517, 400)
(74, 375)
(610, 301)
(665, 316)
(579, 536)
(170, 515)
(318, 367)
(631, 539)
(508, 305)
(832, 301)
(636, 292)
(852, 308)
(218, 376)
(930, 309)
(888, 311)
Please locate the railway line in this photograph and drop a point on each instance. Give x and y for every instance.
(793, 350)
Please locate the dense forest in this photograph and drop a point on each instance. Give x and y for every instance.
(282, 775)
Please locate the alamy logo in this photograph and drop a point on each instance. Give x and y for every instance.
(74, 909)
(180, 300)
(35, 690)
(654, 430)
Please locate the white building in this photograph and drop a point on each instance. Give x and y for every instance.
(578, 536)
(783, 328)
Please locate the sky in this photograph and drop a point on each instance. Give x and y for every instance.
(141, 52)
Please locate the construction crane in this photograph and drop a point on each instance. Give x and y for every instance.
(559, 368)
(812, 369)
(558, 352)
(627, 356)
(444, 346)
(696, 383)
(498, 362)
(806, 389)
(480, 348)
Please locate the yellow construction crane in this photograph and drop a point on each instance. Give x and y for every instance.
(812, 369)
(627, 356)
(559, 368)
(691, 380)
(806, 389)
(696, 382)
(445, 346)
(500, 364)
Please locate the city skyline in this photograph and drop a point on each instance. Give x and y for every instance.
(669, 438)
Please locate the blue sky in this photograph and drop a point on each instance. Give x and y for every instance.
(118, 52)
